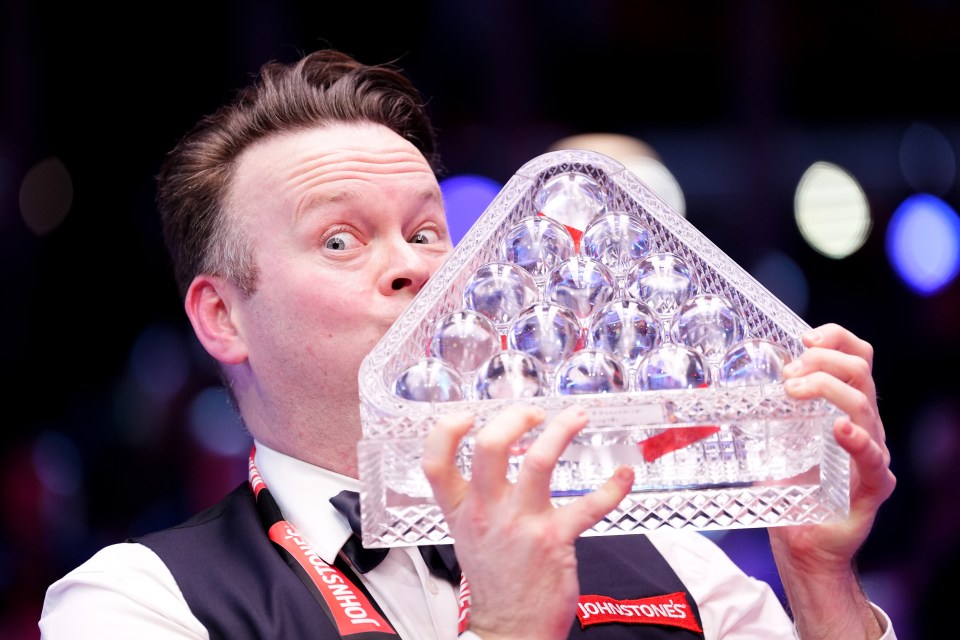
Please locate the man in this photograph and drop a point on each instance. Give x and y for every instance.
(302, 219)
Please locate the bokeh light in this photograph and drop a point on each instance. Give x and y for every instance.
(784, 278)
(934, 442)
(465, 198)
(159, 361)
(58, 464)
(923, 243)
(46, 195)
(831, 210)
(927, 160)
(214, 424)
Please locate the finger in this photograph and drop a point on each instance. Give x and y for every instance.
(493, 444)
(872, 460)
(851, 369)
(439, 458)
(586, 511)
(859, 406)
(541, 457)
(833, 336)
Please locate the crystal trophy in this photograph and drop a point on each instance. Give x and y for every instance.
(579, 285)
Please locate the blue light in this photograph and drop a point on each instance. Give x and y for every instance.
(466, 197)
(923, 243)
(214, 424)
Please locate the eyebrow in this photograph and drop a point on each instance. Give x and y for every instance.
(316, 200)
(347, 194)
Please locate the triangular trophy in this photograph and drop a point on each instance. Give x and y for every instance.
(578, 284)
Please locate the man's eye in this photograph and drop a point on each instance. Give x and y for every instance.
(339, 242)
(425, 237)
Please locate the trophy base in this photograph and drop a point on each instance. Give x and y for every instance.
(776, 464)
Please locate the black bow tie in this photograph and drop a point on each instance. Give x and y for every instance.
(440, 559)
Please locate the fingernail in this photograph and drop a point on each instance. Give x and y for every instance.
(791, 368)
(814, 336)
(793, 384)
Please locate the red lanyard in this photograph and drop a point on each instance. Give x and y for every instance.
(340, 593)
(336, 587)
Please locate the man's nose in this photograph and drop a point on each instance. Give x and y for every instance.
(407, 269)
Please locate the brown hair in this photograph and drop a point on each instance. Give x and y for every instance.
(323, 87)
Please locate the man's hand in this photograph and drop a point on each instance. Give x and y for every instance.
(816, 561)
(515, 547)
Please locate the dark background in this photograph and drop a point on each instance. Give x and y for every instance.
(738, 99)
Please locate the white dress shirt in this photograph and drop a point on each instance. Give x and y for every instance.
(125, 591)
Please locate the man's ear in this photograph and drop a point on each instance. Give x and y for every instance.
(208, 304)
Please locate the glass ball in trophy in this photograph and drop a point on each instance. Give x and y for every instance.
(463, 339)
(572, 198)
(591, 371)
(510, 374)
(618, 240)
(753, 362)
(580, 284)
(662, 280)
(500, 291)
(538, 244)
(429, 380)
(672, 366)
(548, 331)
(626, 327)
(708, 323)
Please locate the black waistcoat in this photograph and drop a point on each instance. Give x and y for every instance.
(239, 587)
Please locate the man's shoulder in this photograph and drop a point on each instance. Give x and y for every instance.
(217, 554)
(128, 580)
(237, 501)
(231, 525)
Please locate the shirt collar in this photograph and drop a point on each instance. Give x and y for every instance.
(303, 493)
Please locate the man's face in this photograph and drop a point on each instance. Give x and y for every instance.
(347, 225)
